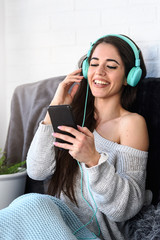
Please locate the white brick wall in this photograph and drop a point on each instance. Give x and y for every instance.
(45, 38)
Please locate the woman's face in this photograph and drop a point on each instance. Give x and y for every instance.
(106, 73)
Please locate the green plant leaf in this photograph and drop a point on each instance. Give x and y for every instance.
(9, 169)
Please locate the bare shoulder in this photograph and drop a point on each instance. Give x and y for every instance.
(133, 131)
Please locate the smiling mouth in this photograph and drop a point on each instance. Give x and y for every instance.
(100, 82)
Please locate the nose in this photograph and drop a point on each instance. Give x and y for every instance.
(101, 70)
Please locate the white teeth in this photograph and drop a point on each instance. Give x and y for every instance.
(100, 82)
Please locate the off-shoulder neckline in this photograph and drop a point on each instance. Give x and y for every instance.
(115, 145)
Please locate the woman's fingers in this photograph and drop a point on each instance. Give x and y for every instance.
(77, 71)
(75, 74)
(62, 95)
(69, 80)
(85, 130)
(72, 140)
(62, 145)
(78, 135)
(64, 137)
(81, 147)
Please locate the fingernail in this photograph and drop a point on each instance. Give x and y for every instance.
(59, 127)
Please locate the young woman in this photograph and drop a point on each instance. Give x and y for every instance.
(100, 174)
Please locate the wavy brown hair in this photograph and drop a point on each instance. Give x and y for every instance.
(66, 168)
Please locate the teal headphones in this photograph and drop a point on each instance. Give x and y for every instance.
(134, 74)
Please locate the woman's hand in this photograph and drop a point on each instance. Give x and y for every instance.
(82, 147)
(62, 95)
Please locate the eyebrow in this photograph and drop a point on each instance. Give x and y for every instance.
(108, 60)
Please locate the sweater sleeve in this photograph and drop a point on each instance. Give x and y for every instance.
(117, 183)
(41, 154)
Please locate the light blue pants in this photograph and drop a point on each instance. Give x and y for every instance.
(40, 217)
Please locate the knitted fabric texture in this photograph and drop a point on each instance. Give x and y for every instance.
(40, 217)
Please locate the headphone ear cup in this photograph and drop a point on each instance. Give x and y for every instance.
(85, 67)
(134, 76)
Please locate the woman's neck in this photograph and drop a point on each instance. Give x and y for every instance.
(107, 109)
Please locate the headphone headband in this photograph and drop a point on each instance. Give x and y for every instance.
(135, 73)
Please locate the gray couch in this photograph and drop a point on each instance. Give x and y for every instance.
(28, 107)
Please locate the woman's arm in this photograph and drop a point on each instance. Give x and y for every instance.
(41, 155)
(118, 183)
(62, 95)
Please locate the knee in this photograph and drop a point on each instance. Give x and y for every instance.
(35, 202)
(32, 199)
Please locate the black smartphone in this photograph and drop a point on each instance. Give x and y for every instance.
(61, 115)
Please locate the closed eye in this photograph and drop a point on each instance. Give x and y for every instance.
(111, 67)
(108, 66)
(94, 65)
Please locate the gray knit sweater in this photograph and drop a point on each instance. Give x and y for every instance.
(117, 183)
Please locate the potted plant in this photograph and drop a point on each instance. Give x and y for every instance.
(12, 180)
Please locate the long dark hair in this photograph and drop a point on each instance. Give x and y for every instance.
(66, 168)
